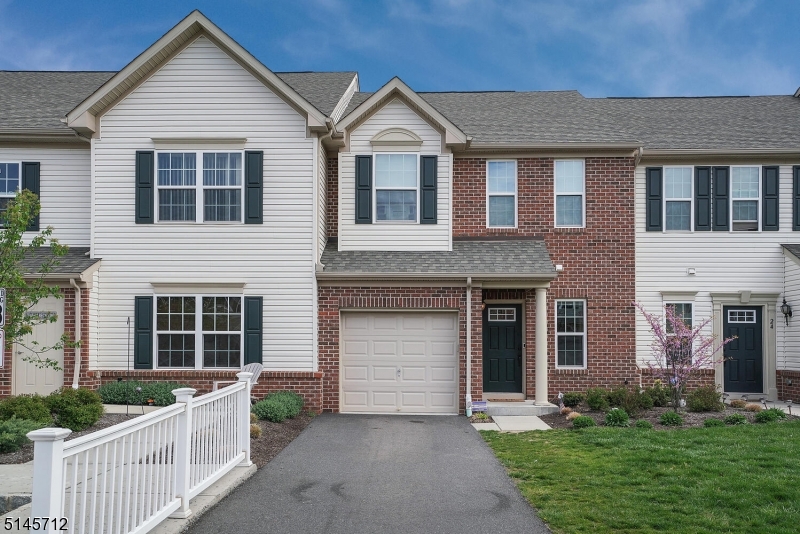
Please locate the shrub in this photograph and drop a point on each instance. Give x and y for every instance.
(583, 421)
(659, 394)
(27, 407)
(708, 423)
(753, 407)
(643, 423)
(597, 399)
(572, 399)
(738, 403)
(769, 415)
(255, 431)
(705, 399)
(573, 416)
(646, 401)
(76, 409)
(671, 419)
(617, 396)
(566, 410)
(634, 401)
(253, 418)
(278, 406)
(125, 392)
(735, 419)
(617, 417)
(481, 416)
(13, 430)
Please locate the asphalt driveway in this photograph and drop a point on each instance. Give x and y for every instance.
(355, 474)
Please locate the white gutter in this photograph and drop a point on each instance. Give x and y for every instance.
(468, 398)
(77, 369)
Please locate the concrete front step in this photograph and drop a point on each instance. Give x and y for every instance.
(527, 407)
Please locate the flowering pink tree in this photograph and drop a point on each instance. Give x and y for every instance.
(680, 352)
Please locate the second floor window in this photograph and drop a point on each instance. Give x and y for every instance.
(396, 187)
(569, 191)
(9, 185)
(678, 198)
(501, 191)
(745, 197)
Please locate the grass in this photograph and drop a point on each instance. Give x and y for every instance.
(732, 479)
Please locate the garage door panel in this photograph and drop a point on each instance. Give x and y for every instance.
(422, 346)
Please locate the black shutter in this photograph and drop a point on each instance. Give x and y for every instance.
(653, 187)
(769, 180)
(254, 187)
(427, 195)
(143, 333)
(30, 181)
(253, 326)
(702, 198)
(145, 188)
(796, 198)
(721, 195)
(363, 189)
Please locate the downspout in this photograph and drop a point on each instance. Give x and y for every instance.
(77, 369)
(468, 398)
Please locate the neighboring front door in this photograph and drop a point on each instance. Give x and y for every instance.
(744, 356)
(502, 348)
(29, 378)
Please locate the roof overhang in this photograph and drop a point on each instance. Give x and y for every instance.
(792, 255)
(82, 276)
(662, 154)
(454, 137)
(40, 135)
(627, 148)
(84, 118)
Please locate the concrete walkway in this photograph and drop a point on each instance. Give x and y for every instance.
(513, 423)
(353, 474)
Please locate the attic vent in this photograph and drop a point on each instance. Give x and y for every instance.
(396, 137)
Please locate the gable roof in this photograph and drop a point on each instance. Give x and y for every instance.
(324, 90)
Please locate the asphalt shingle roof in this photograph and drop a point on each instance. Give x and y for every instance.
(75, 261)
(479, 256)
(322, 89)
(793, 249)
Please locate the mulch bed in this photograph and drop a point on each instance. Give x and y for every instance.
(690, 419)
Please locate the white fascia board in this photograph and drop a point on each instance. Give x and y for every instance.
(664, 153)
(195, 24)
(436, 276)
(453, 135)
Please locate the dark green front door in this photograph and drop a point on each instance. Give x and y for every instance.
(502, 348)
(744, 356)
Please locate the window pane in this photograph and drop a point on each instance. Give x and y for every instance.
(678, 183)
(222, 204)
(222, 350)
(569, 176)
(682, 310)
(502, 176)
(396, 170)
(744, 182)
(569, 210)
(570, 351)
(222, 169)
(176, 350)
(679, 215)
(9, 178)
(569, 315)
(176, 205)
(501, 211)
(396, 205)
(176, 169)
(745, 210)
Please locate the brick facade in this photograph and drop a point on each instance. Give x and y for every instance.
(788, 391)
(332, 176)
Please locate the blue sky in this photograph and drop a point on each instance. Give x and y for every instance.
(600, 48)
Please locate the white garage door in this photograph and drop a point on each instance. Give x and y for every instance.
(399, 362)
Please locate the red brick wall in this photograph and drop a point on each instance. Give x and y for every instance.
(789, 391)
(333, 196)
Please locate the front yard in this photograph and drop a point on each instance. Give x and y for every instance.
(730, 479)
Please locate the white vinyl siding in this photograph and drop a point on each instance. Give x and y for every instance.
(64, 187)
(393, 236)
(322, 199)
(789, 343)
(203, 93)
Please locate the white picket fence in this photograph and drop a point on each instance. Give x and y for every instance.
(129, 477)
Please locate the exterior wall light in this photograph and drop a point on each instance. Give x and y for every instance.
(786, 310)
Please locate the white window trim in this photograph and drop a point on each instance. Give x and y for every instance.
(557, 194)
(672, 302)
(584, 334)
(198, 331)
(515, 194)
(198, 186)
(690, 199)
(375, 188)
(758, 199)
(19, 171)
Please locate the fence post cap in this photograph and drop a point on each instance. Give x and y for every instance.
(49, 434)
(184, 392)
(244, 376)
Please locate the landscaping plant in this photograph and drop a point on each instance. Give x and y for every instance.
(658, 393)
(76, 409)
(735, 419)
(705, 399)
(572, 399)
(671, 419)
(753, 407)
(137, 393)
(597, 399)
(617, 417)
(583, 421)
(566, 410)
(573, 416)
(769, 415)
(708, 423)
(278, 406)
(644, 424)
(13, 433)
(738, 403)
(29, 407)
(255, 431)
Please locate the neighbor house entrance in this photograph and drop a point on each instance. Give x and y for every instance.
(502, 348)
(29, 378)
(744, 356)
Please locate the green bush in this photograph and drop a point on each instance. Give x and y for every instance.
(597, 399)
(28, 407)
(125, 392)
(12, 433)
(76, 409)
(584, 421)
(617, 417)
(644, 424)
(278, 406)
(631, 400)
(671, 419)
(708, 423)
(617, 396)
(735, 419)
(769, 415)
(659, 394)
(573, 399)
(705, 399)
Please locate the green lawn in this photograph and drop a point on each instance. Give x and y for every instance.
(732, 479)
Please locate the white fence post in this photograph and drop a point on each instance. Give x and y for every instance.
(244, 417)
(48, 475)
(183, 452)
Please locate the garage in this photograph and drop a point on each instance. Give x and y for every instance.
(399, 362)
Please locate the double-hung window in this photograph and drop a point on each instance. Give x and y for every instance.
(219, 192)
(678, 198)
(679, 348)
(571, 333)
(745, 197)
(199, 332)
(396, 187)
(9, 185)
(501, 192)
(570, 193)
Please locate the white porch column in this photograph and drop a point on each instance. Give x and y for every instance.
(541, 346)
